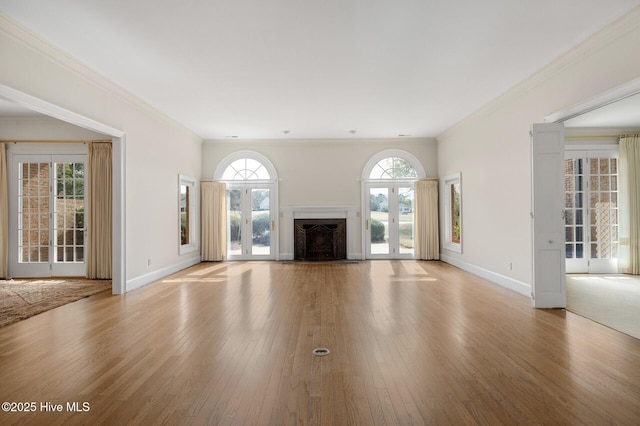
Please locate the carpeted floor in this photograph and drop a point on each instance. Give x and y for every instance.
(22, 298)
(612, 300)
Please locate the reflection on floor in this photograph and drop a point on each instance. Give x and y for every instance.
(609, 299)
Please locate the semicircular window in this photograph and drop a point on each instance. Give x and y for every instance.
(393, 168)
(246, 169)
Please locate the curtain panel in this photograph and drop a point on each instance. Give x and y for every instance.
(213, 217)
(427, 230)
(629, 208)
(99, 210)
(4, 213)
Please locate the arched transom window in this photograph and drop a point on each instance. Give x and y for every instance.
(393, 168)
(246, 169)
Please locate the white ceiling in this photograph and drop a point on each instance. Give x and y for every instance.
(318, 69)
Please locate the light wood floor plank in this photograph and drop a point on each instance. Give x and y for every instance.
(230, 343)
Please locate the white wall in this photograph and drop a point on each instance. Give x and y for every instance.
(156, 150)
(316, 172)
(491, 149)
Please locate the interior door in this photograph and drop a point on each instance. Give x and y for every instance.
(47, 211)
(389, 221)
(250, 222)
(547, 154)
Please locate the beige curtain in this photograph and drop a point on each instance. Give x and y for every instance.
(427, 230)
(99, 211)
(4, 213)
(213, 217)
(629, 208)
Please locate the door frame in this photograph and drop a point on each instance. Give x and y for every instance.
(366, 180)
(118, 142)
(615, 94)
(246, 228)
(393, 187)
(589, 265)
(40, 153)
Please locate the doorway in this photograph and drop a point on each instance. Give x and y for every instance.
(252, 203)
(249, 222)
(591, 211)
(388, 204)
(597, 124)
(47, 211)
(389, 220)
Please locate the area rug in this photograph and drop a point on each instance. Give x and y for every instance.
(21, 299)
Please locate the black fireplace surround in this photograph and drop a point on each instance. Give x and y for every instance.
(320, 239)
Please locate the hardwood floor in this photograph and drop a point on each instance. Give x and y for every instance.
(230, 343)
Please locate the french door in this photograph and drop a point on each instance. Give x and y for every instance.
(249, 222)
(591, 211)
(389, 220)
(47, 211)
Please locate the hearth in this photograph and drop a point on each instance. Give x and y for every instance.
(320, 239)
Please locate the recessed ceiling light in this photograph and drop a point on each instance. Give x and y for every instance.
(403, 135)
(232, 136)
(286, 132)
(353, 132)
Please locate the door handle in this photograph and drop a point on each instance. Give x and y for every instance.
(367, 224)
(273, 225)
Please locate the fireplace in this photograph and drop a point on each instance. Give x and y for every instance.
(320, 239)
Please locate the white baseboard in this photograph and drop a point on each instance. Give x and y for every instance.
(501, 280)
(145, 279)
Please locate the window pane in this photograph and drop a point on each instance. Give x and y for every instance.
(260, 222)
(405, 210)
(246, 169)
(393, 168)
(379, 226)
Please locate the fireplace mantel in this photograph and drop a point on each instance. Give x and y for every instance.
(289, 213)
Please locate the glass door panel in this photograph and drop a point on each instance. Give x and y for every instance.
(47, 219)
(234, 223)
(249, 222)
(68, 213)
(603, 218)
(405, 220)
(260, 222)
(591, 213)
(33, 213)
(379, 221)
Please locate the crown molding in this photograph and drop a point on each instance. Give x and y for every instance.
(69, 63)
(600, 39)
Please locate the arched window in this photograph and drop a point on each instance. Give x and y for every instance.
(393, 164)
(388, 204)
(393, 168)
(245, 166)
(246, 169)
(252, 205)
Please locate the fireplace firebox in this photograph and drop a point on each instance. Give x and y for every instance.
(320, 239)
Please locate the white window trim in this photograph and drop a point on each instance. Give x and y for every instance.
(191, 184)
(271, 184)
(238, 155)
(366, 172)
(448, 237)
(365, 181)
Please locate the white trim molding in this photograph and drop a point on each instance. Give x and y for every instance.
(499, 279)
(399, 153)
(159, 274)
(290, 213)
(119, 256)
(610, 96)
